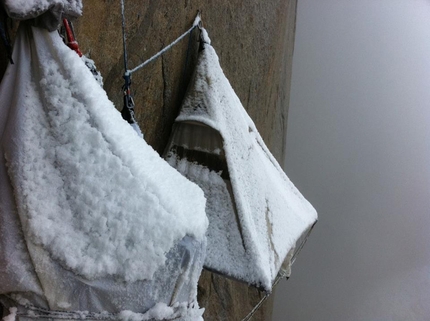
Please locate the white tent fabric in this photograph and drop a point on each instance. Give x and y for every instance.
(91, 218)
(256, 215)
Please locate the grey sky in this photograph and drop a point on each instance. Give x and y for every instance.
(358, 147)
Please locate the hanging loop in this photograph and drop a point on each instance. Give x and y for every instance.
(127, 111)
(196, 23)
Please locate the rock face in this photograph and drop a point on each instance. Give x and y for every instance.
(254, 40)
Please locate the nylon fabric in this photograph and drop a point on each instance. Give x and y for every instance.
(33, 270)
(256, 214)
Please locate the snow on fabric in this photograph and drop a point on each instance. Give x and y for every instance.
(272, 215)
(175, 284)
(88, 190)
(92, 205)
(12, 314)
(46, 14)
(224, 235)
(27, 9)
(160, 311)
(92, 67)
(163, 312)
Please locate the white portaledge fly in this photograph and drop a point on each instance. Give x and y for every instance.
(91, 218)
(258, 220)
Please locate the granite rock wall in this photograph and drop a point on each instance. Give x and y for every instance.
(254, 40)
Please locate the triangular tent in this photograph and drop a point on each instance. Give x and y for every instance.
(93, 223)
(257, 218)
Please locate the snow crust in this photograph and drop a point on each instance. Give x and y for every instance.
(89, 190)
(182, 311)
(205, 36)
(27, 9)
(92, 67)
(12, 314)
(162, 311)
(271, 213)
(175, 281)
(224, 235)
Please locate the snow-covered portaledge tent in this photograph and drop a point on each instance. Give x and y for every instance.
(258, 220)
(92, 221)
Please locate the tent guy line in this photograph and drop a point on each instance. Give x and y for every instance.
(197, 23)
(128, 111)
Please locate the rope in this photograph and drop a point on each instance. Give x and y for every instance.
(124, 36)
(127, 111)
(280, 276)
(196, 23)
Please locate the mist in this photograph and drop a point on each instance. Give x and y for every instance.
(358, 148)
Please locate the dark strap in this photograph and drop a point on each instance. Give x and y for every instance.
(127, 111)
(4, 33)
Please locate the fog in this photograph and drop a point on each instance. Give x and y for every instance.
(358, 147)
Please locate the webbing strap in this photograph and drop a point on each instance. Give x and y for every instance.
(4, 34)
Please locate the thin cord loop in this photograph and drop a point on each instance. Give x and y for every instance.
(196, 24)
(280, 276)
(124, 36)
(127, 111)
